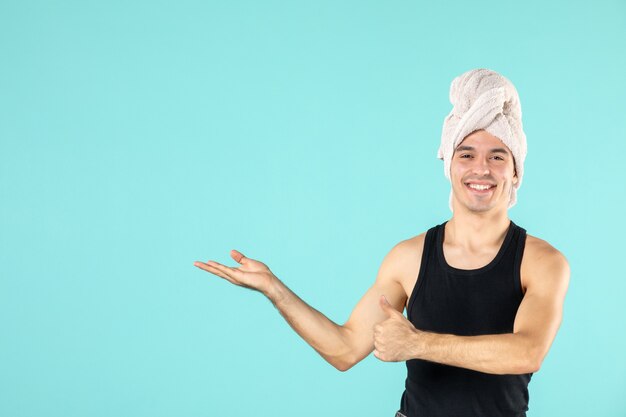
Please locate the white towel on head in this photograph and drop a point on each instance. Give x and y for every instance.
(484, 99)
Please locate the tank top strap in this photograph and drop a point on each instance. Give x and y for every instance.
(520, 244)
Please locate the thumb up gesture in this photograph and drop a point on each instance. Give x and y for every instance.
(395, 336)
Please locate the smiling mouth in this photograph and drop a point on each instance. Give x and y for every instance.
(480, 188)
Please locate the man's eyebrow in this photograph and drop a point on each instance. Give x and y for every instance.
(471, 148)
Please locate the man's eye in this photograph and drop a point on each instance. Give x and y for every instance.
(499, 158)
(464, 155)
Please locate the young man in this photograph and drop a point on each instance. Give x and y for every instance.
(484, 300)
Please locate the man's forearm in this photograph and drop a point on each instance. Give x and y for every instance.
(508, 353)
(326, 337)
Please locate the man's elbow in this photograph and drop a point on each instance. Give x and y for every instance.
(525, 365)
(532, 366)
(529, 355)
(532, 361)
(344, 361)
(345, 357)
(343, 365)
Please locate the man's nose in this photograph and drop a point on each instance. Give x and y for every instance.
(480, 167)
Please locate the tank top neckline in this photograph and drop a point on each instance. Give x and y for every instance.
(444, 264)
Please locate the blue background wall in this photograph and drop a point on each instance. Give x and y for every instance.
(138, 137)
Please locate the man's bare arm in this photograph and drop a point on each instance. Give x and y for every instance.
(536, 323)
(341, 345)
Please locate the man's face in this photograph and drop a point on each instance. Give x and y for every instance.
(482, 171)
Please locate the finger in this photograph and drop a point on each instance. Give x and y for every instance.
(386, 307)
(233, 273)
(389, 309)
(239, 257)
(214, 271)
(378, 355)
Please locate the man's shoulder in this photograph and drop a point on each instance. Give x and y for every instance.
(410, 248)
(405, 256)
(542, 260)
(402, 262)
(539, 250)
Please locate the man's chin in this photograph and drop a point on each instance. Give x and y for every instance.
(479, 207)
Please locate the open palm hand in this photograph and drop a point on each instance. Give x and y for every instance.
(251, 273)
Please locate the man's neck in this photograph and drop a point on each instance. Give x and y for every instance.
(474, 231)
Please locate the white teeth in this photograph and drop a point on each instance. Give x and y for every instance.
(479, 187)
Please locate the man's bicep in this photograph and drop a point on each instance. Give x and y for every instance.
(367, 313)
(540, 313)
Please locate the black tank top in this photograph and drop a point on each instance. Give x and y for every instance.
(466, 303)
